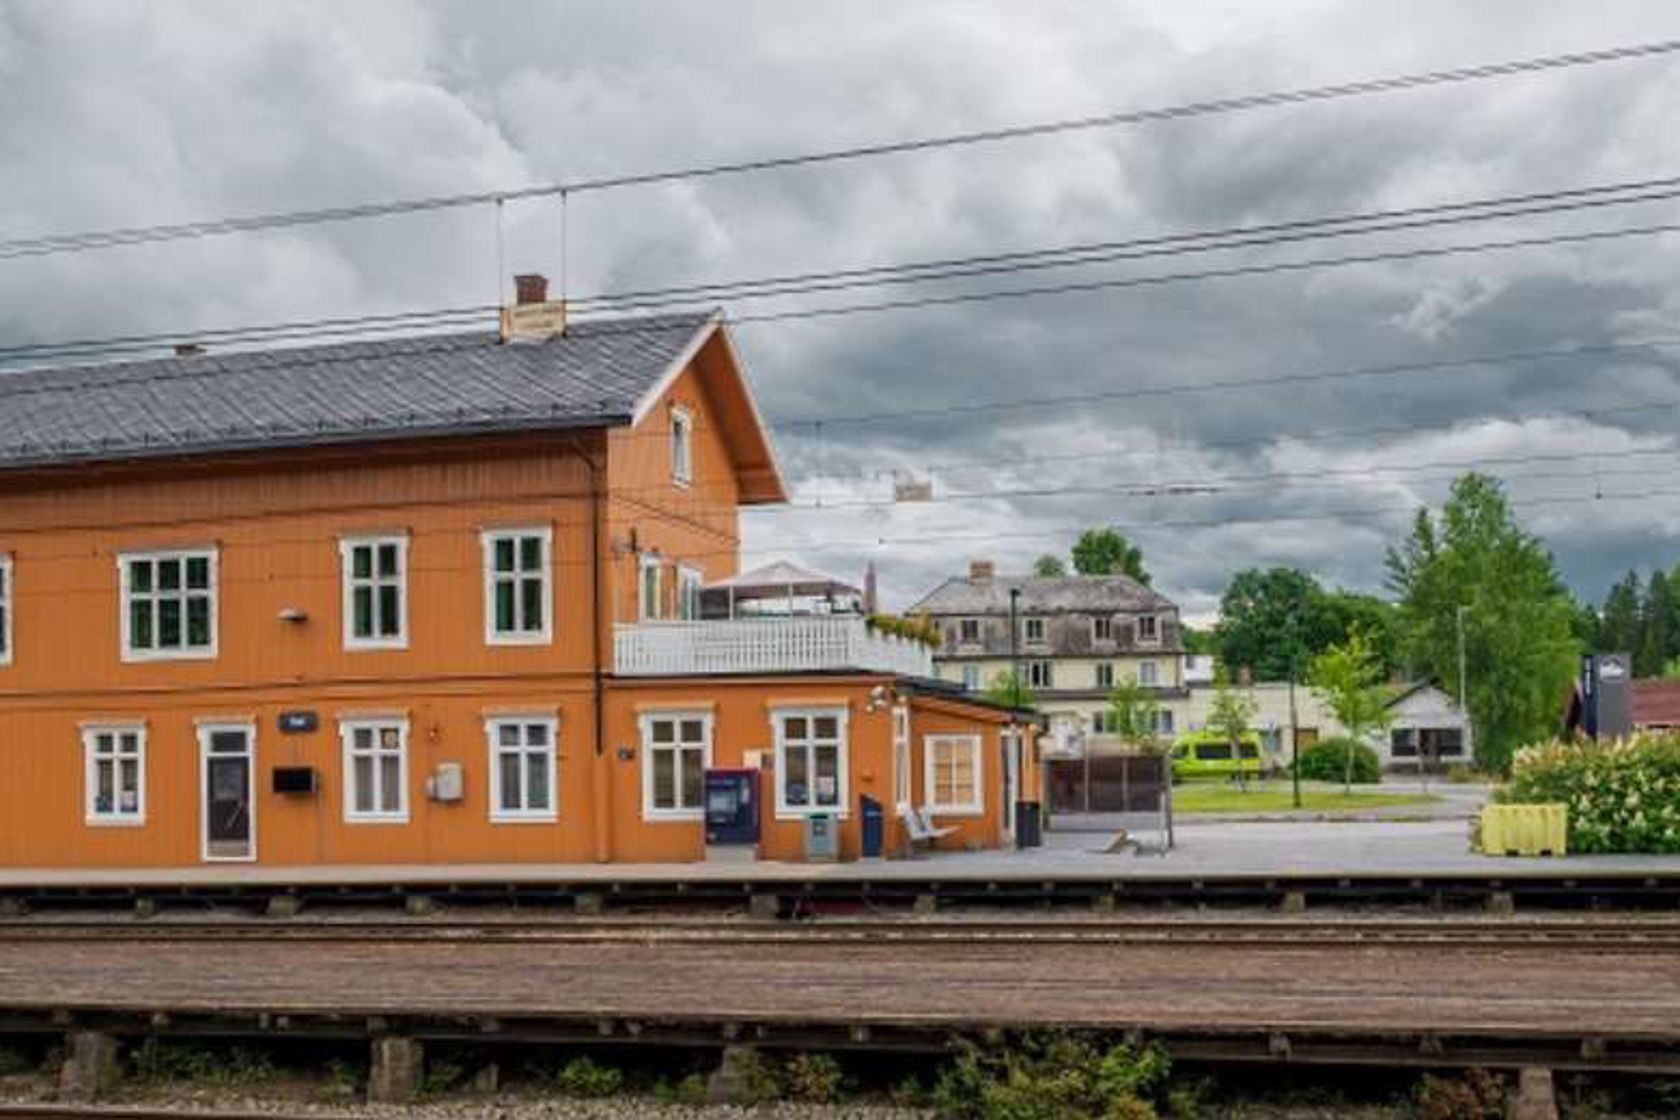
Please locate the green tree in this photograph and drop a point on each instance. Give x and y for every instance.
(1133, 712)
(1276, 620)
(1194, 640)
(1618, 626)
(1008, 689)
(1657, 637)
(1049, 565)
(1518, 619)
(1348, 678)
(1102, 552)
(1230, 715)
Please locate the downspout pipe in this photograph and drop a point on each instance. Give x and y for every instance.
(601, 784)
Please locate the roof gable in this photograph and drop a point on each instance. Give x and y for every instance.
(1042, 594)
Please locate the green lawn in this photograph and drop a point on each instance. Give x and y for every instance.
(1272, 797)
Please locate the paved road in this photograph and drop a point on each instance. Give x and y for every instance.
(1629, 993)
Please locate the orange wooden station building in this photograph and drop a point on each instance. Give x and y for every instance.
(437, 600)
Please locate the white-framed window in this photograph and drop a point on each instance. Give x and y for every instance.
(115, 758)
(968, 631)
(1039, 675)
(375, 578)
(518, 586)
(5, 608)
(1105, 674)
(1101, 723)
(1148, 629)
(650, 585)
(522, 767)
(1033, 629)
(689, 581)
(676, 748)
(1164, 721)
(1102, 629)
(682, 446)
(1149, 673)
(375, 769)
(902, 792)
(953, 774)
(168, 604)
(810, 761)
(971, 678)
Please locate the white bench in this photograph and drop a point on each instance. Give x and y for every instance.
(920, 827)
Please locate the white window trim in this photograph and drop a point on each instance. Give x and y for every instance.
(346, 738)
(90, 816)
(902, 788)
(682, 467)
(206, 731)
(347, 598)
(1100, 638)
(656, 562)
(8, 601)
(488, 539)
(1097, 671)
(649, 812)
(1049, 673)
(1027, 638)
(206, 653)
(842, 770)
(971, 681)
(1155, 638)
(1153, 673)
(688, 575)
(499, 815)
(979, 632)
(972, 808)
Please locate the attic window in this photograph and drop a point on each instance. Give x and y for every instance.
(682, 446)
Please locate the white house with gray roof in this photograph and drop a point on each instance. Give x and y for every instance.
(1075, 638)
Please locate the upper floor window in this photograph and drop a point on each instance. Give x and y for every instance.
(1105, 674)
(1033, 629)
(689, 581)
(1149, 673)
(1102, 629)
(375, 769)
(375, 571)
(168, 604)
(682, 446)
(968, 631)
(522, 768)
(1148, 629)
(1039, 675)
(650, 587)
(5, 609)
(1164, 721)
(971, 678)
(115, 757)
(810, 760)
(676, 747)
(518, 594)
(953, 774)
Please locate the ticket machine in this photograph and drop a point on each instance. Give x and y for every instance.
(732, 809)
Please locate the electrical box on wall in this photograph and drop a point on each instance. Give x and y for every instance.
(447, 783)
(295, 779)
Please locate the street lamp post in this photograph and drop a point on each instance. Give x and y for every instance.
(1015, 641)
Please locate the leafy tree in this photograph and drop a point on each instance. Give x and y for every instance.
(1518, 622)
(1008, 689)
(1133, 712)
(1657, 638)
(1348, 678)
(1196, 641)
(1102, 552)
(1230, 714)
(1049, 565)
(1618, 627)
(1276, 620)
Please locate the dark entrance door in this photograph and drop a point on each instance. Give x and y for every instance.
(227, 794)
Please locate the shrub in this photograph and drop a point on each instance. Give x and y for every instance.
(815, 1078)
(581, 1077)
(1326, 761)
(1622, 796)
(1478, 1095)
(159, 1062)
(1052, 1077)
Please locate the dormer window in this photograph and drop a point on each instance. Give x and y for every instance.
(1148, 631)
(682, 446)
(1102, 629)
(1034, 630)
(968, 631)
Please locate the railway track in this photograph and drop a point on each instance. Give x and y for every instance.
(1622, 934)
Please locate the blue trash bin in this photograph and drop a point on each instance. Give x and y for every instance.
(874, 826)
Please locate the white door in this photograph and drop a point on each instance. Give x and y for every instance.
(1009, 790)
(227, 791)
(902, 793)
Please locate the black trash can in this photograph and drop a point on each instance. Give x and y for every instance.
(874, 826)
(1029, 830)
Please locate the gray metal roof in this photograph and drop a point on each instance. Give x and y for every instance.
(1042, 595)
(345, 392)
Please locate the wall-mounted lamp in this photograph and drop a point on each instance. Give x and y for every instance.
(293, 614)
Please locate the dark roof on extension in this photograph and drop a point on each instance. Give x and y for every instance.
(347, 392)
(1041, 595)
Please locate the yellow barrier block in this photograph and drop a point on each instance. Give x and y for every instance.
(1524, 830)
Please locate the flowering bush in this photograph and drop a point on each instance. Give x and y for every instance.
(1623, 796)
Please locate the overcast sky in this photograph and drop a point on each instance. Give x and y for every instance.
(126, 114)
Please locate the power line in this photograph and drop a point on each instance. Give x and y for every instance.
(1143, 248)
(134, 235)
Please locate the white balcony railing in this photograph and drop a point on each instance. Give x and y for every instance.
(764, 645)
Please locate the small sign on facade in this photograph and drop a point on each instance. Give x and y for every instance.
(299, 722)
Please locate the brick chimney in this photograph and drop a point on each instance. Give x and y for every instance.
(533, 317)
(981, 569)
